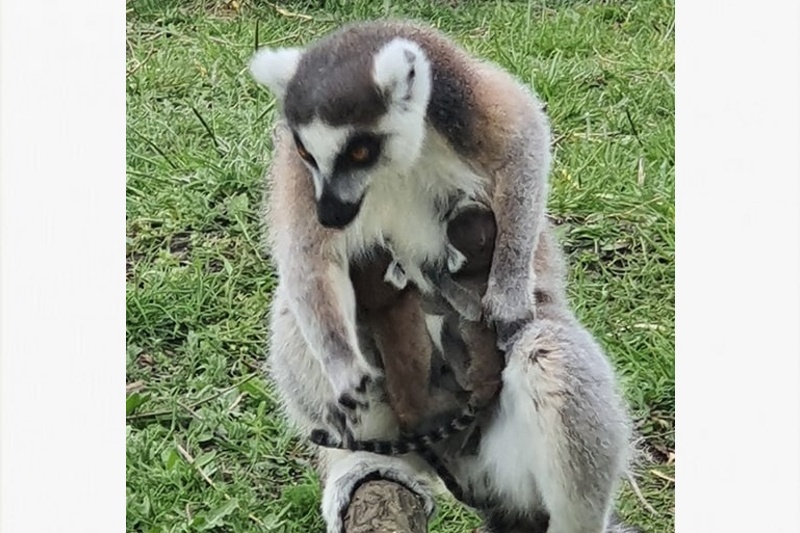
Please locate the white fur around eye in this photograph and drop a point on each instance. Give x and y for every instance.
(275, 67)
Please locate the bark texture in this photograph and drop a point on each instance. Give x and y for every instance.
(382, 506)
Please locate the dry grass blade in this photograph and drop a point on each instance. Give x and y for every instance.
(639, 495)
(139, 64)
(236, 402)
(134, 387)
(189, 459)
(640, 172)
(290, 14)
(662, 476)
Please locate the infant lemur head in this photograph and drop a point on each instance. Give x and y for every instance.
(355, 102)
(472, 232)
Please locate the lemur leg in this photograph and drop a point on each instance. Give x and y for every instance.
(485, 362)
(559, 398)
(393, 314)
(407, 354)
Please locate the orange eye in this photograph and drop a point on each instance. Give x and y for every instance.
(359, 154)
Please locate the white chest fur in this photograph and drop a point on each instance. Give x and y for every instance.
(401, 209)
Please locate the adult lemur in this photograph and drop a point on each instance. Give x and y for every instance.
(386, 123)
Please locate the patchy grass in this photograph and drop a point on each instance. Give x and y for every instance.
(206, 447)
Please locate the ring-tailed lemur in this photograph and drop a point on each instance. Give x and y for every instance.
(384, 122)
(389, 121)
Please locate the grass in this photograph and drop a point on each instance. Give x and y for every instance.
(207, 449)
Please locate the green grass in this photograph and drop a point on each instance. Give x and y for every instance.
(207, 449)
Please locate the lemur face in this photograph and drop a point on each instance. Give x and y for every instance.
(356, 107)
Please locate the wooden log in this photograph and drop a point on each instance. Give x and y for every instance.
(382, 506)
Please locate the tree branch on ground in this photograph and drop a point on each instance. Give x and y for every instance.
(383, 506)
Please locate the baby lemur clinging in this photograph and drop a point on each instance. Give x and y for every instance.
(398, 316)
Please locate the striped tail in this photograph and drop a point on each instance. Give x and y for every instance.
(447, 478)
(403, 445)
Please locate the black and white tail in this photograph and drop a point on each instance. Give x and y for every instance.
(404, 444)
(421, 443)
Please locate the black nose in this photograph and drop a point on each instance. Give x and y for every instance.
(334, 213)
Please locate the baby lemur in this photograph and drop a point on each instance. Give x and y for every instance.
(395, 311)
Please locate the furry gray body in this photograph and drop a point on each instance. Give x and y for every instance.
(556, 442)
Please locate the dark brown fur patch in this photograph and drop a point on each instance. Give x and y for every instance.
(542, 297)
(372, 292)
(397, 325)
(473, 232)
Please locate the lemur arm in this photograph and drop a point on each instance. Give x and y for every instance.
(313, 274)
(519, 199)
(321, 298)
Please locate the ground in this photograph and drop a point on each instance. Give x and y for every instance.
(207, 448)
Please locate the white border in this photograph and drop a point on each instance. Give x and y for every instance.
(738, 326)
(62, 212)
(61, 215)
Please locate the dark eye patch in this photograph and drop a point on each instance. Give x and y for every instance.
(361, 151)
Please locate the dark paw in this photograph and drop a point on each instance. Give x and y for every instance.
(320, 437)
(340, 435)
(507, 332)
(354, 405)
(351, 405)
(350, 384)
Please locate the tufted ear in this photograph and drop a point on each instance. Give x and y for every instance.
(275, 67)
(403, 73)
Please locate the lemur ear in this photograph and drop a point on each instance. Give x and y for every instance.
(275, 67)
(403, 73)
